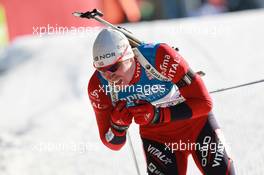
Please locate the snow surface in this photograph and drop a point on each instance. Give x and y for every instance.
(47, 125)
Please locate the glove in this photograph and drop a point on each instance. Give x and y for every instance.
(143, 113)
(120, 116)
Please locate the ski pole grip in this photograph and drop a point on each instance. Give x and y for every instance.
(89, 14)
(92, 14)
(96, 14)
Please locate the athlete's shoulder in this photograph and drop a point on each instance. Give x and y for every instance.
(165, 52)
(152, 49)
(94, 81)
(170, 63)
(148, 47)
(152, 46)
(95, 90)
(97, 95)
(148, 50)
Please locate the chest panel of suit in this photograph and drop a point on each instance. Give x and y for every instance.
(147, 88)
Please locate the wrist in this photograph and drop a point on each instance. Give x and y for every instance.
(156, 117)
(118, 133)
(120, 129)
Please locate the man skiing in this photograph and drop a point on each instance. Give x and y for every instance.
(164, 97)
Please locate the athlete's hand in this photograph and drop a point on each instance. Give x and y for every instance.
(120, 117)
(143, 112)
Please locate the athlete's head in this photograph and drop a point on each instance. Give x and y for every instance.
(113, 55)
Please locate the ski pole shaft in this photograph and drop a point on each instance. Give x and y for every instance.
(237, 86)
(96, 14)
(133, 153)
(126, 33)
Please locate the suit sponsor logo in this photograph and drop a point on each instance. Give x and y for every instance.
(160, 155)
(98, 105)
(95, 94)
(168, 67)
(153, 169)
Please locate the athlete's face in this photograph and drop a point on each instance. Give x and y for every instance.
(120, 73)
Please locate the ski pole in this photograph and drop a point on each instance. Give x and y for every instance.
(133, 152)
(96, 14)
(237, 86)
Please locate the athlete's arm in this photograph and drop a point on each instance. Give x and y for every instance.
(198, 101)
(102, 106)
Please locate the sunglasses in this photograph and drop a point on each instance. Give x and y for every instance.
(111, 68)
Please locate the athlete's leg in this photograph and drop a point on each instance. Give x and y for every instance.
(162, 161)
(211, 155)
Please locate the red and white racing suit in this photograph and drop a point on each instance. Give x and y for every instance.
(167, 143)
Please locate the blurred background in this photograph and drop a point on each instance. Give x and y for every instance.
(47, 125)
(18, 17)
